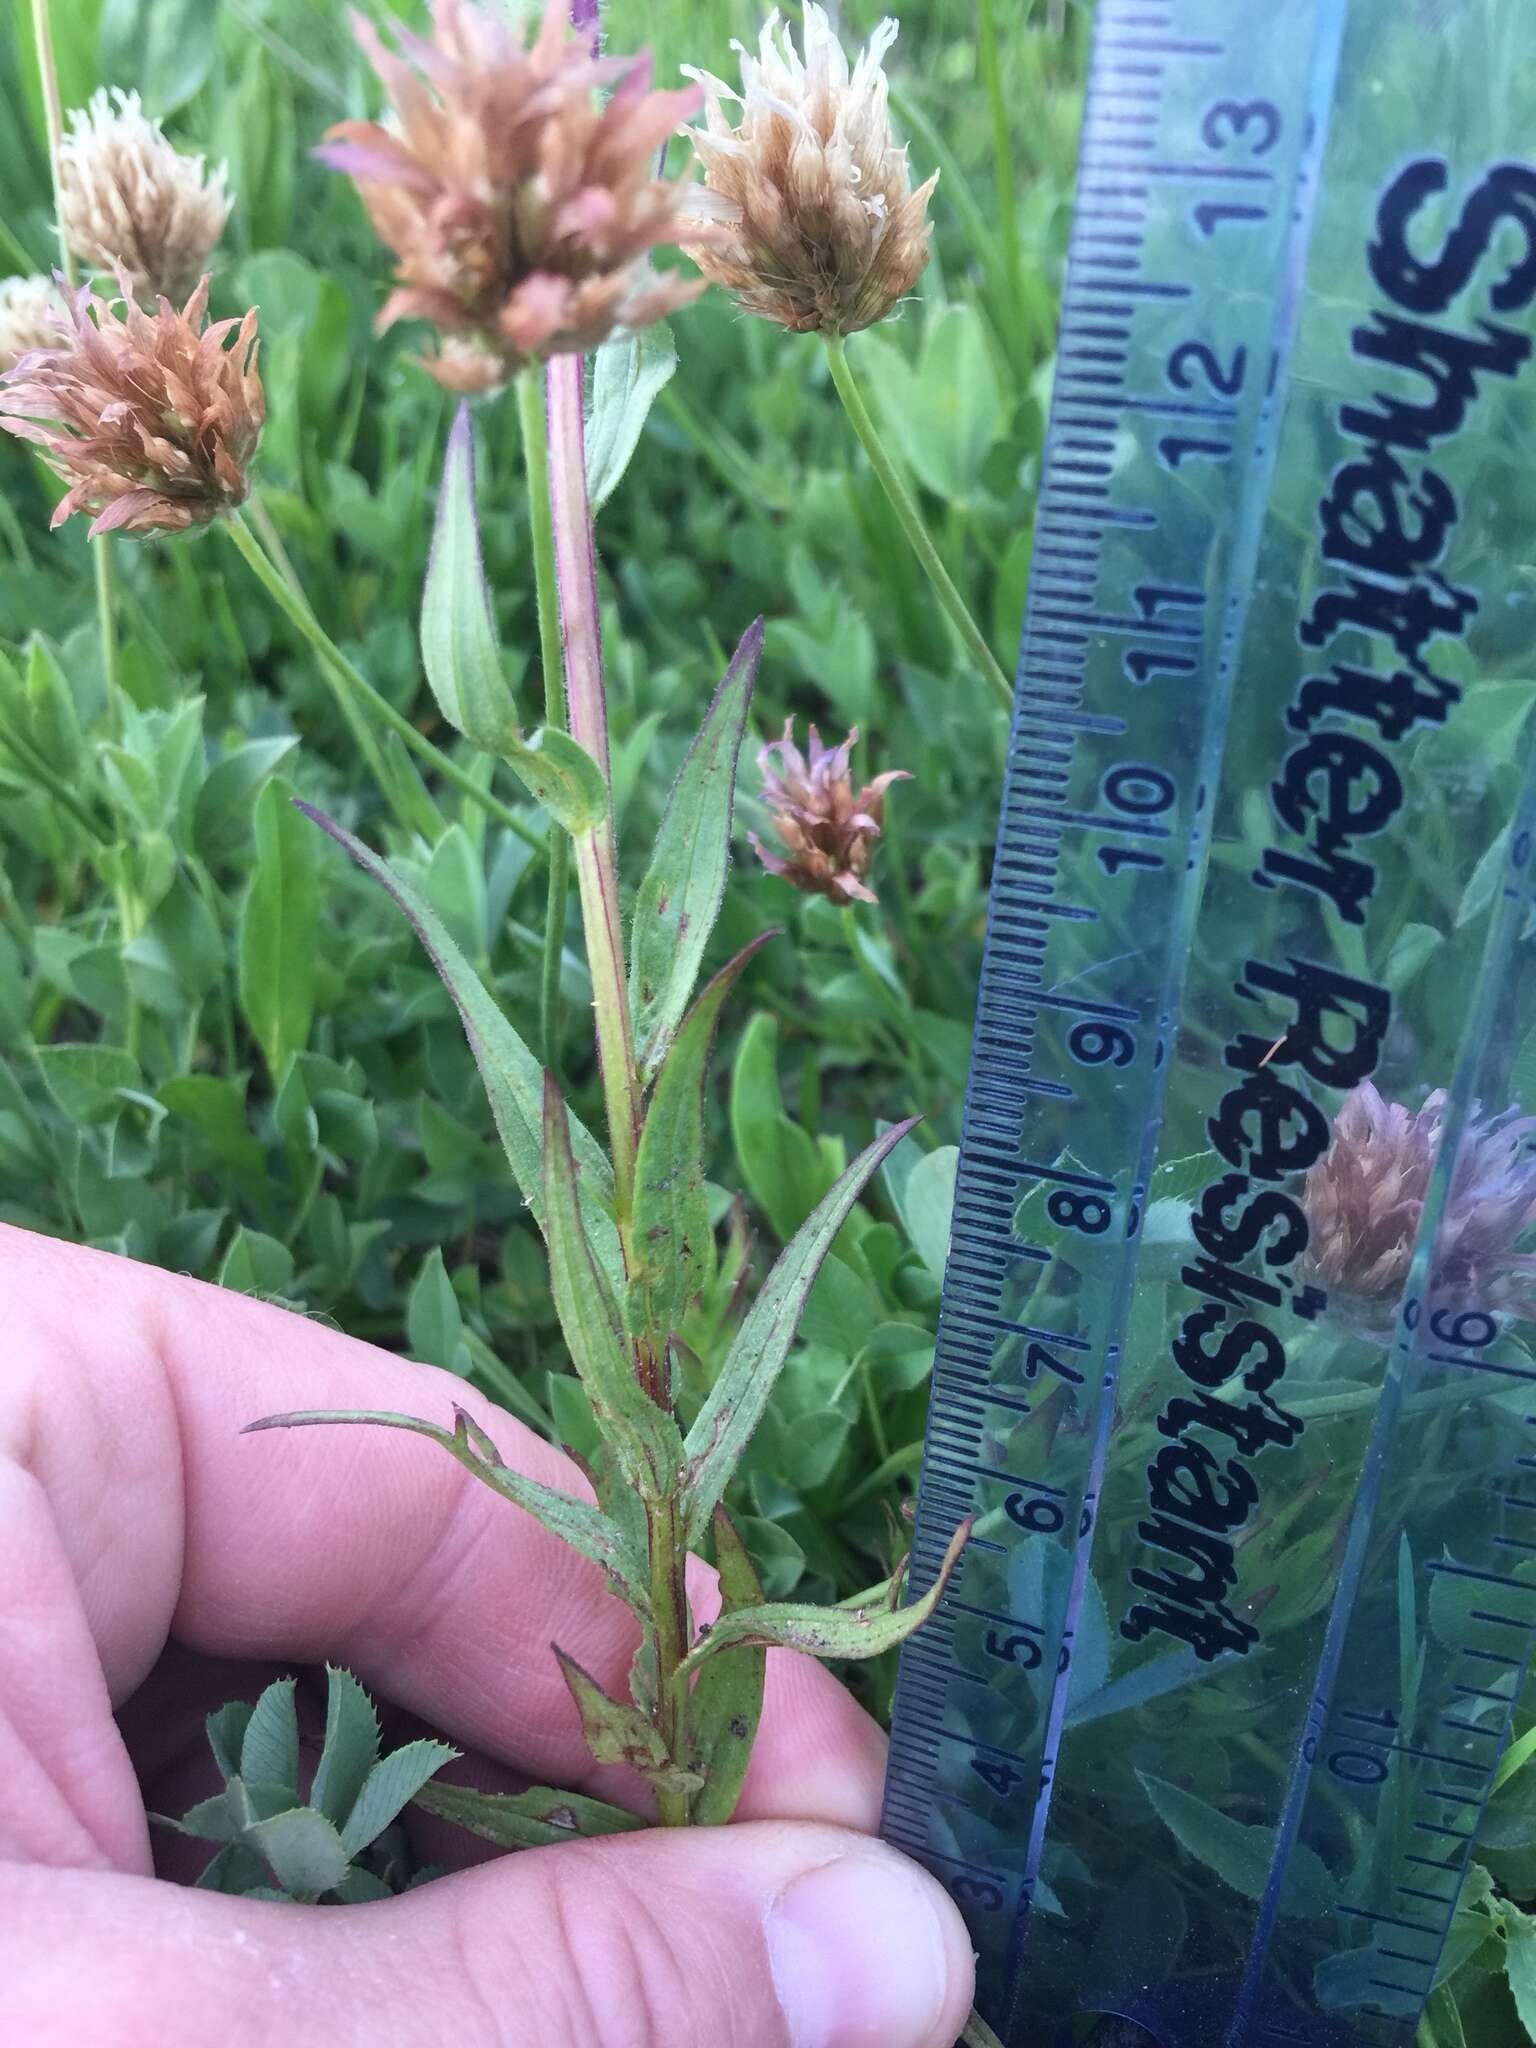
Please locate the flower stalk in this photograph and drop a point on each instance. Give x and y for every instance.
(904, 505)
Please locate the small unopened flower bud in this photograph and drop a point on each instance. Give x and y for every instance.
(816, 223)
(1365, 1197)
(30, 309)
(521, 211)
(826, 830)
(150, 418)
(129, 202)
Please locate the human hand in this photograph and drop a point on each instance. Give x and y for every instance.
(144, 1542)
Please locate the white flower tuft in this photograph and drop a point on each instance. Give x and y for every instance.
(128, 200)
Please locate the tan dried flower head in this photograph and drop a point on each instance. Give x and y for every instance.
(30, 312)
(827, 831)
(130, 202)
(821, 228)
(521, 212)
(148, 417)
(1366, 1194)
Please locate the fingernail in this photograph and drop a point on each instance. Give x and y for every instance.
(859, 1954)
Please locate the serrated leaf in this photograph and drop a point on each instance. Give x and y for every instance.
(679, 899)
(460, 650)
(351, 1747)
(537, 1819)
(627, 374)
(235, 1871)
(361, 1888)
(614, 1731)
(1520, 1964)
(865, 1628)
(739, 1397)
(278, 924)
(727, 1701)
(672, 1236)
(269, 1752)
(514, 1080)
(209, 1821)
(393, 1781)
(302, 1849)
(586, 1529)
(226, 1735)
(1240, 1853)
(644, 1437)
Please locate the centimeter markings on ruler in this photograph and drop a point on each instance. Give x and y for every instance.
(1117, 607)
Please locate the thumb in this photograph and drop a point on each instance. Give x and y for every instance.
(770, 1934)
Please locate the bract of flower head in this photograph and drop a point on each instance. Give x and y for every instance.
(827, 831)
(31, 309)
(130, 202)
(520, 211)
(817, 225)
(1365, 1197)
(150, 418)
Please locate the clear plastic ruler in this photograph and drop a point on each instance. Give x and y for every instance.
(1237, 1356)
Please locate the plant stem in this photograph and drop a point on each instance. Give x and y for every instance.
(669, 1606)
(530, 407)
(905, 507)
(596, 859)
(1003, 155)
(53, 117)
(978, 2034)
(345, 677)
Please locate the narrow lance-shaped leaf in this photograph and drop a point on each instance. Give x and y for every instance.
(727, 1702)
(537, 1819)
(461, 653)
(514, 1080)
(351, 1747)
(269, 1753)
(278, 923)
(736, 1403)
(617, 1733)
(671, 1221)
(644, 1437)
(866, 1629)
(585, 1528)
(393, 1781)
(679, 899)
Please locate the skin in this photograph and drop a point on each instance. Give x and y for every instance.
(154, 1562)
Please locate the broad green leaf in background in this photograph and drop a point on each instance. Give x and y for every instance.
(736, 1402)
(1520, 1963)
(433, 1317)
(278, 923)
(679, 899)
(627, 374)
(671, 1230)
(514, 1080)
(86, 1080)
(946, 412)
(255, 1263)
(165, 48)
(783, 1170)
(644, 1437)
(1240, 1854)
(928, 1204)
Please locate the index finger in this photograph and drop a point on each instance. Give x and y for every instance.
(125, 1396)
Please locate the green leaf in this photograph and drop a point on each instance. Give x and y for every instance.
(215, 1105)
(226, 1735)
(614, 1731)
(209, 1821)
(727, 1701)
(780, 1163)
(679, 899)
(928, 1203)
(1483, 883)
(1242, 1855)
(585, 1528)
(1515, 1758)
(302, 1849)
(460, 650)
(361, 1888)
(867, 1627)
(736, 1402)
(269, 1751)
(627, 375)
(945, 414)
(559, 773)
(513, 1078)
(164, 47)
(433, 1318)
(256, 1264)
(86, 1081)
(351, 1746)
(387, 1789)
(537, 1819)
(1520, 1964)
(278, 927)
(644, 1437)
(672, 1237)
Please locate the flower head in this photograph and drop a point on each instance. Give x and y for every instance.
(1364, 1199)
(129, 202)
(30, 312)
(827, 831)
(820, 227)
(521, 213)
(148, 417)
